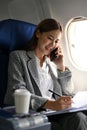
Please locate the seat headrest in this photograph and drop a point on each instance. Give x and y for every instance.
(14, 33)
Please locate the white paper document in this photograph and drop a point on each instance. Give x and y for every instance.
(80, 99)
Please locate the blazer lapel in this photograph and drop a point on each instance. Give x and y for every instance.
(32, 67)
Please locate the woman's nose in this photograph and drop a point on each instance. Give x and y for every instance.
(53, 44)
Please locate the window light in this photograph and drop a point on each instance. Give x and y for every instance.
(76, 39)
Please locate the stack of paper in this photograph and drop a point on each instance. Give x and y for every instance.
(80, 99)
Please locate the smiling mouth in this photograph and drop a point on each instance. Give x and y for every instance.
(49, 49)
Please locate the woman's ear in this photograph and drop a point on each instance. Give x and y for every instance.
(38, 33)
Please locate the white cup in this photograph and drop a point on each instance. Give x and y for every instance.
(22, 101)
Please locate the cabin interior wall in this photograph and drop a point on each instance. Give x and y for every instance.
(27, 10)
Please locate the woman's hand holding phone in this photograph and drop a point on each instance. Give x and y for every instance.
(56, 56)
(53, 54)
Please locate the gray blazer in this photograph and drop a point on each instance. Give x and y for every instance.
(22, 72)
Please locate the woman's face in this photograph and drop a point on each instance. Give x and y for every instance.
(47, 41)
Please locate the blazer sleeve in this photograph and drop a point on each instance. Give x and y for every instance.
(65, 80)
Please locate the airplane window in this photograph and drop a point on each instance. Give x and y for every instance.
(76, 40)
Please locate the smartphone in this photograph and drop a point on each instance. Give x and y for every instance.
(53, 55)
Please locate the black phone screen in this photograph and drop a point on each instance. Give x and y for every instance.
(53, 56)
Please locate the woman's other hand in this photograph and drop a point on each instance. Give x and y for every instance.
(61, 103)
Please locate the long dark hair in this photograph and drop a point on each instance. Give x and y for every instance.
(44, 26)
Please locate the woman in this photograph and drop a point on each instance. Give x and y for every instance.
(38, 70)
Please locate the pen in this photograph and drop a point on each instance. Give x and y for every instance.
(54, 93)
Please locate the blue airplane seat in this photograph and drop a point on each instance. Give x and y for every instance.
(13, 35)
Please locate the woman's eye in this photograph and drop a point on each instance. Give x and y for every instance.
(56, 41)
(50, 38)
